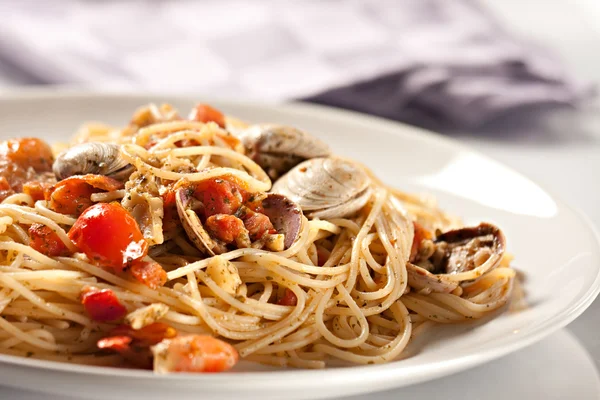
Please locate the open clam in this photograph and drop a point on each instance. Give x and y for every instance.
(92, 158)
(455, 256)
(190, 220)
(326, 187)
(473, 248)
(278, 148)
(285, 216)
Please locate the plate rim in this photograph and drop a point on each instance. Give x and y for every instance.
(375, 374)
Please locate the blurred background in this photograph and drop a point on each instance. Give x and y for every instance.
(516, 79)
(438, 63)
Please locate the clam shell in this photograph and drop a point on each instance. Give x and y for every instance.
(278, 148)
(326, 187)
(285, 215)
(92, 158)
(193, 226)
(488, 235)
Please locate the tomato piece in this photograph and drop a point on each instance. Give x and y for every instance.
(170, 217)
(38, 187)
(134, 345)
(35, 189)
(219, 196)
(28, 152)
(4, 185)
(224, 227)
(72, 195)
(322, 255)
(231, 140)
(206, 113)
(116, 343)
(194, 353)
(288, 299)
(102, 305)
(257, 224)
(150, 273)
(420, 234)
(71, 199)
(46, 241)
(5, 189)
(109, 235)
(148, 335)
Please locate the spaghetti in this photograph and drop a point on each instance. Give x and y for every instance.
(353, 287)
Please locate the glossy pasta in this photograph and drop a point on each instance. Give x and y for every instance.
(353, 288)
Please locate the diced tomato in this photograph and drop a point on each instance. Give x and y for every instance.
(28, 152)
(170, 217)
(150, 273)
(71, 198)
(148, 335)
(4, 185)
(102, 305)
(116, 343)
(72, 195)
(420, 234)
(109, 235)
(134, 345)
(322, 255)
(231, 140)
(206, 113)
(224, 227)
(219, 196)
(288, 299)
(46, 241)
(35, 189)
(257, 224)
(194, 353)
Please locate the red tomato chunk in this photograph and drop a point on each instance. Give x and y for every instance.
(72, 195)
(109, 236)
(150, 273)
(102, 305)
(225, 227)
(288, 299)
(219, 196)
(46, 241)
(206, 113)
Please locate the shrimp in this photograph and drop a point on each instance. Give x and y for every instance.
(193, 353)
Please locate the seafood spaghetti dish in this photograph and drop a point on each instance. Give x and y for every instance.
(185, 243)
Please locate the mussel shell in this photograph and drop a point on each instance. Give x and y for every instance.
(326, 187)
(92, 158)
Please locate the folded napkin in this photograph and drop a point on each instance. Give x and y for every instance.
(422, 61)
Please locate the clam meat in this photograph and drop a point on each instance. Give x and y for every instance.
(284, 216)
(445, 261)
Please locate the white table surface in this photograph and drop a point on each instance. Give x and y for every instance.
(561, 153)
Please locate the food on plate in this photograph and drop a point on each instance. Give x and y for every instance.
(183, 244)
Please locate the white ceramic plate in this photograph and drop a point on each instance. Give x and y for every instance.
(554, 246)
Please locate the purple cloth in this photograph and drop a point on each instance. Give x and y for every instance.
(467, 70)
